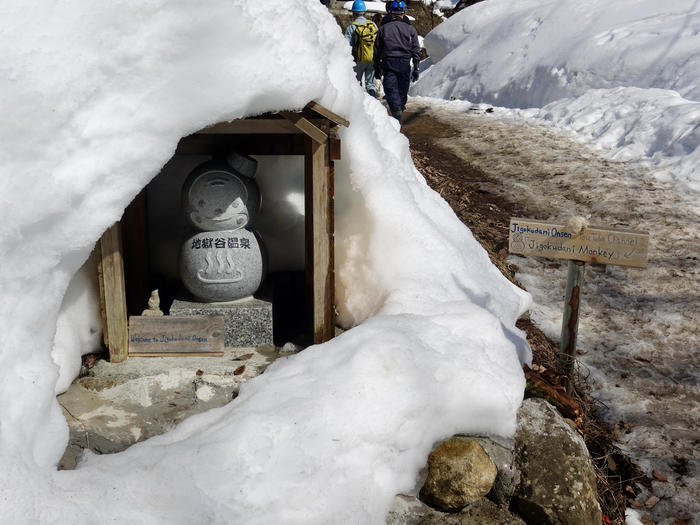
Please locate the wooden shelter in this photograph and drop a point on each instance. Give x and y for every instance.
(311, 133)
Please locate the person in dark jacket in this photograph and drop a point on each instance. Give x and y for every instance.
(396, 46)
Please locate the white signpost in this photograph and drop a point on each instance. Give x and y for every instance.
(591, 244)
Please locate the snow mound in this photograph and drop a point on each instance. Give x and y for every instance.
(95, 98)
(533, 52)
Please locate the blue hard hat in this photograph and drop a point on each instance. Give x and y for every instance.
(358, 6)
(397, 6)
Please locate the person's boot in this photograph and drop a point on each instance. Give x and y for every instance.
(397, 114)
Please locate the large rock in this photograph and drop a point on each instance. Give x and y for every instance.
(411, 511)
(459, 472)
(558, 483)
(500, 451)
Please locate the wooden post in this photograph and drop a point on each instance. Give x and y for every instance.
(113, 294)
(318, 182)
(134, 229)
(569, 324)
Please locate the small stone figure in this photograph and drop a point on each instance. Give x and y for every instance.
(153, 309)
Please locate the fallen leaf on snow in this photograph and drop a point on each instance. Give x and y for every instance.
(659, 477)
(653, 500)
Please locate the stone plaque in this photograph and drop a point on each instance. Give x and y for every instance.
(158, 336)
(592, 244)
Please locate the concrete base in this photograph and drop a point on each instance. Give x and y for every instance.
(119, 404)
(248, 321)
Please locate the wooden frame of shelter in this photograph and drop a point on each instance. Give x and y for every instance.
(312, 133)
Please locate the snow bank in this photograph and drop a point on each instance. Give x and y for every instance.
(95, 97)
(656, 126)
(532, 52)
(624, 76)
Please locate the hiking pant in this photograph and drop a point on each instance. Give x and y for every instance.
(397, 80)
(366, 69)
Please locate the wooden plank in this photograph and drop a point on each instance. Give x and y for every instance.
(592, 244)
(253, 126)
(113, 294)
(222, 144)
(134, 225)
(306, 126)
(319, 238)
(334, 145)
(179, 354)
(181, 335)
(327, 113)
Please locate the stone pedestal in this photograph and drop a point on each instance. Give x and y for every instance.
(248, 321)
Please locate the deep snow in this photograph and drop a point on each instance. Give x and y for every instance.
(95, 97)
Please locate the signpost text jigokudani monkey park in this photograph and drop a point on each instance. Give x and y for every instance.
(591, 244)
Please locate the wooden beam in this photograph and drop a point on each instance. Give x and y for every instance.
(113, 294)
(327, 113)
(269, 126)
(306, 126)
(223, 144)
(319, 237)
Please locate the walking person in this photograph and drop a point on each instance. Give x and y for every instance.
(387, 17)
(396, 46)
(361, 35)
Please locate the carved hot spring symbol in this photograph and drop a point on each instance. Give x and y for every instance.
(225, 269)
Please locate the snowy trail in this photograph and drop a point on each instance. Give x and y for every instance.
(639, 328)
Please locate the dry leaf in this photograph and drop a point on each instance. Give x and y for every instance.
(611, 462)
(200, 372)
(238, 371)
(685, 521)
(653, 500)
(245, 357)
(659, 477)
(630, 490)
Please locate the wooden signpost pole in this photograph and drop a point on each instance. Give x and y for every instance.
(569, 323)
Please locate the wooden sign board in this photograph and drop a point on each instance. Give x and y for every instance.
(592, 244)
(173, 336)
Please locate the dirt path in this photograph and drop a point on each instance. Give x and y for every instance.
(639, 328)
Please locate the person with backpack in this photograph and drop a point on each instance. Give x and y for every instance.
(396, 46)
(361, 35)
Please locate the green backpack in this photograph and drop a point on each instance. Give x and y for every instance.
(365, 35)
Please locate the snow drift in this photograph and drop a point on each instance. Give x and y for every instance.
(625, 75)
(95, 98)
